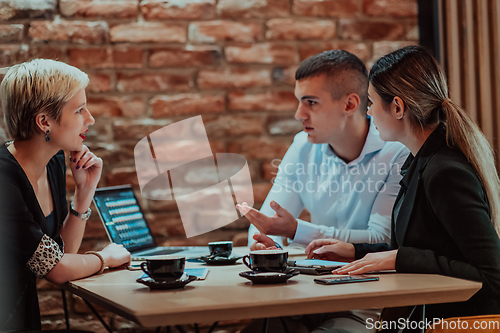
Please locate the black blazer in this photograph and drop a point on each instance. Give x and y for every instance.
(22, 225)
(441, 225)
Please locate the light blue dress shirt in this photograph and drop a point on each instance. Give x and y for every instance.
(351, 201)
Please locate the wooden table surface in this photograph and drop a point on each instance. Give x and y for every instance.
(224, 295)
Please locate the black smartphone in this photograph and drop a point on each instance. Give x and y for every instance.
(346, 279)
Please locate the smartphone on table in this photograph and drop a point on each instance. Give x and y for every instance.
(346, 279)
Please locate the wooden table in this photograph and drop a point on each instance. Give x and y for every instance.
(224, 295)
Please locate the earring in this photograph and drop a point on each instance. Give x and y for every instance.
(47, 137)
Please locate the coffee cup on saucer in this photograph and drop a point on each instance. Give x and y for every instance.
(164, 268)
(267, 261)
(220, 249)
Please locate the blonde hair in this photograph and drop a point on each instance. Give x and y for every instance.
(413, 74)
(40, 86)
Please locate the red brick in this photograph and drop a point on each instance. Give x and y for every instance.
(265, 53)
(413, 33)
(148, 32)
(213, 31)
(11, 33)
(285, 75)
(229, 78)
(118, 153)
(44, 284)
(113, 9)
(69, 31)
(50, 303)
(224, 126)
(269, 169)
(153, 82)
(325, 7)
(284, 125)
(398, 8)
(161, 206)
(136, 129)
(188, 56)
(269, 101)
(13, 54)
(99, 82)
(261, 147)
(218, 146)
(308, 49)
(106, 57)
(178, 9)
(382, 48)
(88, 323)
(79, 305)
(260, 192)
(239, 9)
(294, 29)
(48, 52)
(169, 225)
(182, 104)
(32, 9)
(115, 106)
(120, 324)
(122, 176)
(370, 30)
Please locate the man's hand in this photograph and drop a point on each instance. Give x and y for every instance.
(262, 242)
(281, 224)
(377, 261)
(330, 249)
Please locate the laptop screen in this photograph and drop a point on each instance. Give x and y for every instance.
(123, 218)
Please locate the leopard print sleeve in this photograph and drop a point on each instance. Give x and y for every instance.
(46, 256)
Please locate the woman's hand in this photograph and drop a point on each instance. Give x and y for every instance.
(330, 249)
(86, 169)
(115, 255)
(377, 261)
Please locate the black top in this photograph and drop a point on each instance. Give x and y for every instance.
(30, 245)
(444, 226)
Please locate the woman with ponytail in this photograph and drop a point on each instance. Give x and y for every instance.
(446, 217)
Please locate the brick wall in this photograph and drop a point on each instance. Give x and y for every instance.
(154, 62)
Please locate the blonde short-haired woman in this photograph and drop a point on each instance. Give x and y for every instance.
(45, 111)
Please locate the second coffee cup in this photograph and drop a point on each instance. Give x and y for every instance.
(221, 248)
(267, 261)
(164, 268)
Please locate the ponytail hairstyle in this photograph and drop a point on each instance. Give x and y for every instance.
(412, 74)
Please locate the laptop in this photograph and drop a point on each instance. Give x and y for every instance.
(126, 224)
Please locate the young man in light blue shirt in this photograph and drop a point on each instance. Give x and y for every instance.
(338, 168)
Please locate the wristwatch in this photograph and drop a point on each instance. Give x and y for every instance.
(85, 216)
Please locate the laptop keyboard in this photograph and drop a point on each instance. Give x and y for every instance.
(143, 256)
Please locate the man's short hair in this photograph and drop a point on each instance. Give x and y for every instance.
(345, 73)
(40, 86)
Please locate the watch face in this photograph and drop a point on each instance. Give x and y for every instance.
(84, 216)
